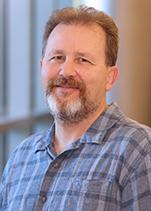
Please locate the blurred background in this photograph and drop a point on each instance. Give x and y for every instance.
(22, 105)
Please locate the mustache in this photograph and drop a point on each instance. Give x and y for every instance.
(68, 82)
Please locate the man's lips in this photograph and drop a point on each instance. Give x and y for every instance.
(66, 86)
(66, 89)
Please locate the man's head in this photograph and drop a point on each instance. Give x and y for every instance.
(86, 15)
(78, 63)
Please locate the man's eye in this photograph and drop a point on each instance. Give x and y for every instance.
(83, 60)
(57, 58)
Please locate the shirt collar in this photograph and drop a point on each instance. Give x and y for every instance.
(107, 119)
(45, 139)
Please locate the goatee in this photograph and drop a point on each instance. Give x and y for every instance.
(71, 111)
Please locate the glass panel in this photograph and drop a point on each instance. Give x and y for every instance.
(1, 56)
(2, 153)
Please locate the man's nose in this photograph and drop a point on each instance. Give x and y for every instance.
(67, 68)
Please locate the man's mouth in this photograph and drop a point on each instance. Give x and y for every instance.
(65, 90)
(67, 86)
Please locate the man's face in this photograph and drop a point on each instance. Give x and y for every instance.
(74, 73)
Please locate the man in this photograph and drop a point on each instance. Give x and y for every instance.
(93, 157)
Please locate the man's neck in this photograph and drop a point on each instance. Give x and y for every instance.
(66, 134)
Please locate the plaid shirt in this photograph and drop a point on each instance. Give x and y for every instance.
(108, 169)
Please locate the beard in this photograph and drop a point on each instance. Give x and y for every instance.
(73, 110)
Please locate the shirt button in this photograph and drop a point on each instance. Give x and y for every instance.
(55, 165)
(43, 199)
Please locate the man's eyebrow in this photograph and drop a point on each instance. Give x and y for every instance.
(55, 51)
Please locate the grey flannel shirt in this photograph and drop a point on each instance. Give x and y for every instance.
(108, 169)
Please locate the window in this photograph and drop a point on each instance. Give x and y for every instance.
(22, 107)
(1, 58)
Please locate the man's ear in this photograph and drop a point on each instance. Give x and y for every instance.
(111, 77)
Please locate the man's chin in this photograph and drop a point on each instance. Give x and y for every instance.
(70, 109)
(60, 101)
(63, 98)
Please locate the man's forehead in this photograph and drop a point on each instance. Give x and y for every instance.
(79, 40)
(80, 35)
(90, 26)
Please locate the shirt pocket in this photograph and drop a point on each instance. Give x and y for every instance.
(96, 194)
(96, 186)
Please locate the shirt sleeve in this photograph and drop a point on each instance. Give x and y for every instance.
(136, 194)
(0, 196)
(6, 178)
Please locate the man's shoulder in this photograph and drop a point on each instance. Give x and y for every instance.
(134, 129)
(126, 126)
(128, 135)
(29, 146)
(134, 140)
(33, 141)
(26, 151)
